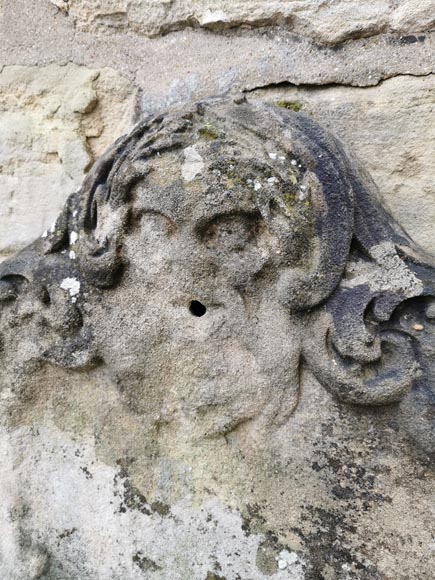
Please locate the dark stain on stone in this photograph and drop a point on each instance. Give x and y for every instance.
(411, 39)
(253, 520)
(132, 498)
(327, 545)
(145, 564)
(67, 533)
(86, 472)
(350, 472)
(213, 576)
(161, 508)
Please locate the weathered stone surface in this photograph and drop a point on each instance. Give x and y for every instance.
(193, 64)
(206, 62)
(328, 21)
(391, 127)
(54, 121)
(106, 469)
(219, 365)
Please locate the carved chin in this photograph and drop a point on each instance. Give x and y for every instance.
(209, 390)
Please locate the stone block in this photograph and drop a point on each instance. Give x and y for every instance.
(54, 120)
(327, 22)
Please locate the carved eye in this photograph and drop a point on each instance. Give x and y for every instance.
(231, 232)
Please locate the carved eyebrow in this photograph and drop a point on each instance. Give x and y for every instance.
(139, 212)
(206, 222)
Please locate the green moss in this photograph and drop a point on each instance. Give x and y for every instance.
(291, 105)
(293, 177)
(208, 132)
(233, 181)
(289, 200)
(145, 563)
(266, 559)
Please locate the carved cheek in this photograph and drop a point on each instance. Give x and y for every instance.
(155, 228)
(291, 240)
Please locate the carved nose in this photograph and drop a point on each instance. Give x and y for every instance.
(196, 276)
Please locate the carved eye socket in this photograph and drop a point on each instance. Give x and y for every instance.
(7, 291)
(156, 224)
(10, 287)
(231, 232)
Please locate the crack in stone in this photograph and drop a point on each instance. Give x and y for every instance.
(328, 85)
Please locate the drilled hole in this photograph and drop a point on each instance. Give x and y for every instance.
(197, 309)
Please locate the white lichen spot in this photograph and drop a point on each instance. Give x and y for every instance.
(257, 186)
(302, 196)
(287, 559)
(272, 180)
(71, 285)
(75, 212)
(73, 237)
(72, 255)
(193, 164)
(213, 16)
(294, 162)
(273, 156)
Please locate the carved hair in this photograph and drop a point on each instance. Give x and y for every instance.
(365, 268)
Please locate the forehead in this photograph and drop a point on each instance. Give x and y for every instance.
(205, 179)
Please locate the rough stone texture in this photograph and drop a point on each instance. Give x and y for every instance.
(284, 430)
(54, 121)
(297, 482)
(192, 64)
(327, 21)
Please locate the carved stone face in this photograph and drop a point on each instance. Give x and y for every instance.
(208, 254)
(202, 336)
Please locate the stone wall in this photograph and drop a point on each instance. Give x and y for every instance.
(77, 74)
